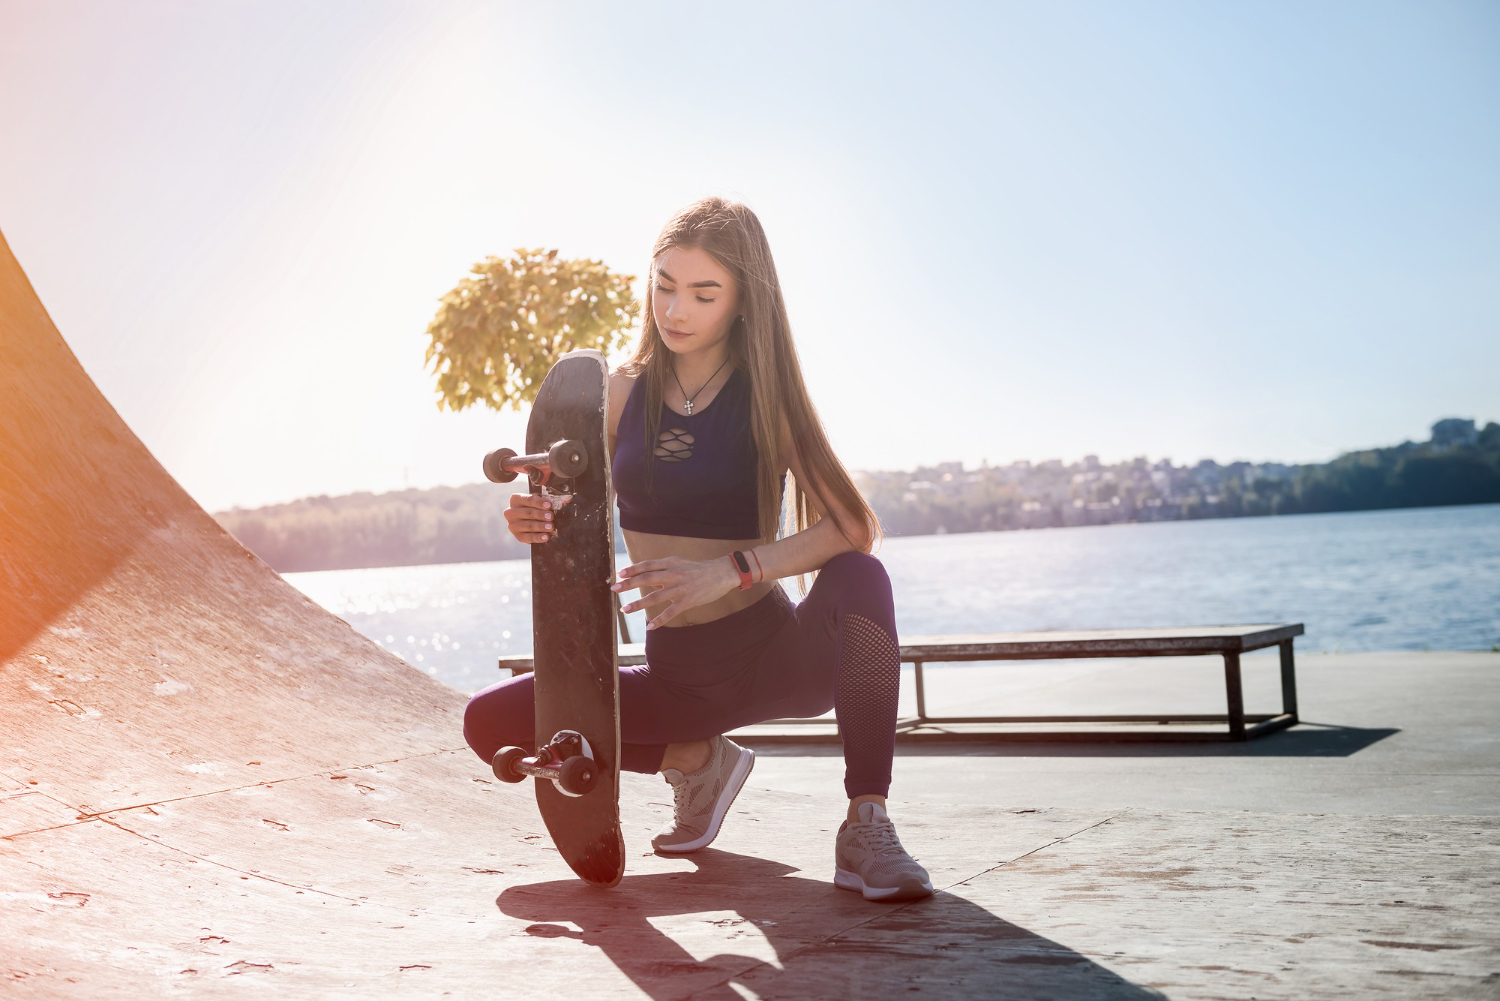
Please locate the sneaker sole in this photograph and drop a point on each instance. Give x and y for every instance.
(731, 790)
(907, 890)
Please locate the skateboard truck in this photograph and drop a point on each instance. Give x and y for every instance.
(567, 760)
(566, 459)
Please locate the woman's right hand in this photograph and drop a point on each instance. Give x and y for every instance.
(529, 518)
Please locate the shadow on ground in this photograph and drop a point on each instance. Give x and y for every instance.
(1305, 740)
(803, 938)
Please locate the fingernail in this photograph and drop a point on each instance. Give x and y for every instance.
(547, 505)
(548, 516)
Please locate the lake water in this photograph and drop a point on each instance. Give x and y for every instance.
(1414, 579)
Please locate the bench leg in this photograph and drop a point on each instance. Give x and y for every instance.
(921, 690)
(1288, 681)
(1236, 696)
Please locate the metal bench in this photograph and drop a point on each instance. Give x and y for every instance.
(1226, 641)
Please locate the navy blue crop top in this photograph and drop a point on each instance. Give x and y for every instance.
(704, 468)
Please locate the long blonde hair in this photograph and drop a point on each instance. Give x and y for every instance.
(762, 345)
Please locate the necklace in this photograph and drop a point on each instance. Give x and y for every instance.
(687, 401)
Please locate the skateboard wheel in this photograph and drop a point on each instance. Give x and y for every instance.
(567, 459)
(494, 465)
(577, 775)
(505, 763)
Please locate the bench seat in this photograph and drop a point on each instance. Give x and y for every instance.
(1228, 642)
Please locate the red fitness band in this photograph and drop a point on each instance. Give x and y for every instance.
(758, 566)
(742, 567)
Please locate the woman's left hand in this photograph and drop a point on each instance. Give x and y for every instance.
(681, 583)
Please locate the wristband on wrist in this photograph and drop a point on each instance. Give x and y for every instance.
(742, 567)
(758, 567)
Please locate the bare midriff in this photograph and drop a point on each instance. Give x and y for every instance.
(644, 546)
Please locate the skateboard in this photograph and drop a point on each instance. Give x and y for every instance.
(577, 684)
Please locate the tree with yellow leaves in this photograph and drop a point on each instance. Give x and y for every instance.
(497, 333)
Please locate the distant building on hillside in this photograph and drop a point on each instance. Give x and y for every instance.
(1454, 432)
(1275, 471)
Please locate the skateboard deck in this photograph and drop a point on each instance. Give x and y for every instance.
(577, 683)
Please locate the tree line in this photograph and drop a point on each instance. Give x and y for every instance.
(403, 528)
(1458, 466)
(467, 523)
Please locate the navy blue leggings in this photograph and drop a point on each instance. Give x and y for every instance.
(836, 649)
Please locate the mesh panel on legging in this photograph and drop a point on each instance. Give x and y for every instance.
(868, 684)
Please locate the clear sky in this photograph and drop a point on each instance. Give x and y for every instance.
(1005, 230)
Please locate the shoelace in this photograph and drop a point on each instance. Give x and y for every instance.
(881, 839)
(680, 798)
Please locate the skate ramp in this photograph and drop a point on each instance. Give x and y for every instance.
(147, 655)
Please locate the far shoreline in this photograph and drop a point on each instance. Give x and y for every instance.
(524, 557)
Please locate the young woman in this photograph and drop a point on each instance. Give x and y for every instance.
(705, 421)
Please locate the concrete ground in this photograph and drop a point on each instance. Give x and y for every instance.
(1355, 858)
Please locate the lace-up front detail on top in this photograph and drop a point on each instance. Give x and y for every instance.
(702, 477)
(675, 445)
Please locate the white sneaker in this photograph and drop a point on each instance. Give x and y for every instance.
(701, 798)
(868, 858)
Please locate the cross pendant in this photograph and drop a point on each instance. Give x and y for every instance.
(687, 405)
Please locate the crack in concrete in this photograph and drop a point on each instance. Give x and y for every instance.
(30, 790)
(54, 827)
(1040, 848)
(264, 783)
(241, 872)
(87, 817)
